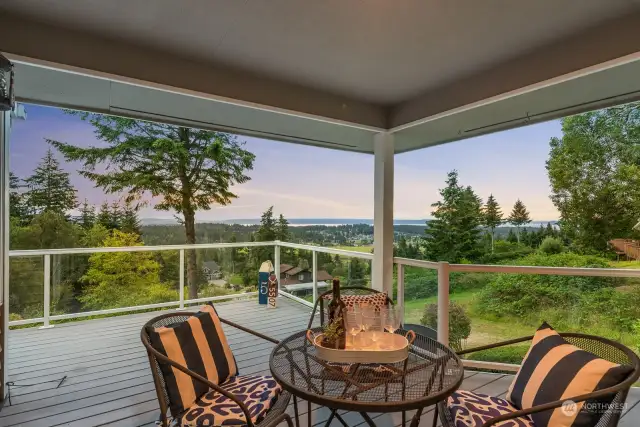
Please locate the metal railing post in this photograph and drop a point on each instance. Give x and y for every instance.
(314, 274)
(276, 260)
(443, 302)
(47, 292)
(181, 269)
(400, 297)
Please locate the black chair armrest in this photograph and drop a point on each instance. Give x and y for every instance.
(249, 331)
(496, 345)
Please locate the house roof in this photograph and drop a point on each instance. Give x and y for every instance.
(285, 267)
(211, 265)
(294, 271)
(323, 275)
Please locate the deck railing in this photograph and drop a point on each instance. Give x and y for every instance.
(47, 255)
(445, 269)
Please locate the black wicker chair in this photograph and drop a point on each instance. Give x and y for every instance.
(601, 347)
(347, 290)
(276, 414)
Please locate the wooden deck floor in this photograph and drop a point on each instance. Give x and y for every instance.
(109, 383)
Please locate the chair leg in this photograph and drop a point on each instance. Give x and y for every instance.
(295, 411)
(435, 416)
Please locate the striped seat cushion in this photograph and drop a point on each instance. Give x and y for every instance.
(200, 345)
(554, 369)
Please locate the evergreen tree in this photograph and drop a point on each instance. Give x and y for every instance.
(17, 208)
(49, 188)
(187, 169)
(519, 216)
(116, 215)
(453, 233)
(267, 231)
(282, 229)
(402, 247)
(511, 237)
(492, 217)
(129, 221)
(104, 216)
(87, 215)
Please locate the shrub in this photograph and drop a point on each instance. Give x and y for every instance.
(551, 246)
(526, 295)
(420, 283)
(459, 323)
(461, 282)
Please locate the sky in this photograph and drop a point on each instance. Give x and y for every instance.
(310, 182)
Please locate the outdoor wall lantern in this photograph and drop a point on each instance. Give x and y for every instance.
(7, 97)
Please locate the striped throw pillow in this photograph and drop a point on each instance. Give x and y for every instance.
(199, 344)
(554, 369)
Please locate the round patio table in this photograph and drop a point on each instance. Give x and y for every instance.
(430, 374)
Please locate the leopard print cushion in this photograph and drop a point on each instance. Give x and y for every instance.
(470, 409)
(377, 300)
(257, 392)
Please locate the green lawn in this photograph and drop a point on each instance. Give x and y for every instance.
(483, 331)
(366, 249)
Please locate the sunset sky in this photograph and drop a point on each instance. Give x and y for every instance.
(309, 182)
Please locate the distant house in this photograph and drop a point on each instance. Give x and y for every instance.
(301, 279)
(211, 270)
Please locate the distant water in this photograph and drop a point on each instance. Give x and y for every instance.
(307, 222)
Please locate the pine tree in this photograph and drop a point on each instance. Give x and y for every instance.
(129, 221)
(87, 215)
(104, 216)
(116, 216)
(282, 229)
(492, 217)
(519, 216)
(453, 233)
(49, 188)
(17, 208)
(267, 231)
(511, 237)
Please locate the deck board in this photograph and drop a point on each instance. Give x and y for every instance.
(109, 382)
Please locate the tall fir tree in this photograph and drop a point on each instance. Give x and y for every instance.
(187, 169)
(104, 216)
(49, 188)
(17, 208)
(116, 215)
(453, 232)
(492, 217)
(282, 229)
(129, 221)
(519, 216)
(87, 215)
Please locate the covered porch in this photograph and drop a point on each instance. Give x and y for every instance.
(365, 77)
(108, 382)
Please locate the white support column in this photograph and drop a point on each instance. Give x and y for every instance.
(382, 268)
(5, 118)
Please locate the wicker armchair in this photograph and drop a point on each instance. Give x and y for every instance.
(601, 347)
(274, 416)
(347, 290)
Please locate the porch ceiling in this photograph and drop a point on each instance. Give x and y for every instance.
(329, 73)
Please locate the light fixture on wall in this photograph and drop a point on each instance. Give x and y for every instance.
(7, 97)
